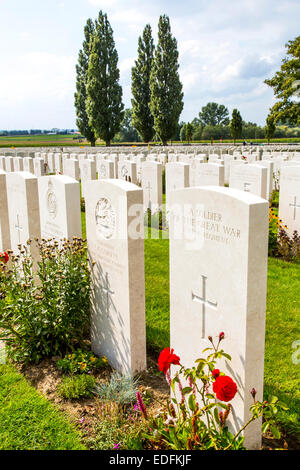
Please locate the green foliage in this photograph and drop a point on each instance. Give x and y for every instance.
(182, 133)
(282, 330)
(214, 114)
(189, 131)
(28, 420)
(77, 386)
(104, 94)
(270, 127)
(80, 362)
(127, 132)
(236, 125)
(117, 427)
(215, 132)
(286, 86)
(44, 308)
(141, 115)
(288, 247)
(166, 101)
(120, 389)
(81, 82)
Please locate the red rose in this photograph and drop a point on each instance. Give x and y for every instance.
(225, 388)
(5, 256)
(216, 373)
(166, 358)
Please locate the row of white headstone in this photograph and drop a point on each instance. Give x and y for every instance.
(184, 171)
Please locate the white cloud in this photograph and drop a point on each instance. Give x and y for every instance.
(36, 84)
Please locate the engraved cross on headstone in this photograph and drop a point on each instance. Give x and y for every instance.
(246, 187)
(204, 302)
(106, 290)
(295, 205)
(18, 228)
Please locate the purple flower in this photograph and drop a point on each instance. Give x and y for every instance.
(141, 405)
(117, 446)
(81, 420)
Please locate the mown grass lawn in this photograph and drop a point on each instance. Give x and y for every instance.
(282, 324)
(28, 421)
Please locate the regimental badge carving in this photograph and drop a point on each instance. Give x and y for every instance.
(105, 219)
(51, 201)
(124, 171)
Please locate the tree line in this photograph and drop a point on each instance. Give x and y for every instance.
(156, 88)
(157, 96)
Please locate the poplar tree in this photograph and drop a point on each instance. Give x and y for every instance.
(104, 93)
(142, 118)
(82, 121)
(166, 101)
(236, 125)
(270, 127)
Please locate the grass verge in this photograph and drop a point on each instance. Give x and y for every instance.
(28, 420)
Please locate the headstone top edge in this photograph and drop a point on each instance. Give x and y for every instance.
(247, 198)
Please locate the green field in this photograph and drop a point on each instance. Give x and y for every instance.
(69, 141)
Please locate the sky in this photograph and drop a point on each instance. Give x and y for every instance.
(226, 50)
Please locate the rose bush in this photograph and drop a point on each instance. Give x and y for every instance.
(197, 415)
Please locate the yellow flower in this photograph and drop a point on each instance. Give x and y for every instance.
(82, 365)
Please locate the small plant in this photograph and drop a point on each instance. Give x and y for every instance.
(44, 305)
(120, 389)
(275, 199)
(195, 418)
(117, 427)
(275, 224)
(77, 386)
(80, 362)
(82, 204)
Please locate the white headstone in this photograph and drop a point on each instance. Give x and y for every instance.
(59, 201)
(106, 169)
(177, 176)
(4, 220)
(207, 174)
(249, 178)
(289, 198)
(152, 185)
(71, 168)
(23, 208)
(127, 171)
(218, 278)
(28, 165)
(113, 209)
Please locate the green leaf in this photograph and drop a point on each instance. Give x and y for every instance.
(186, 390)
(192, 402)
(275, 431)
(265, 427)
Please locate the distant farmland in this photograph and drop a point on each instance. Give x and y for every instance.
(68, 140)
(42, 140)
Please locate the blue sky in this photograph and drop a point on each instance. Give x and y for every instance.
(226, 49)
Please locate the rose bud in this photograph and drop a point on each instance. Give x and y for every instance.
(221, 335)
(210, 338)
(253, 392)
(216, 373)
